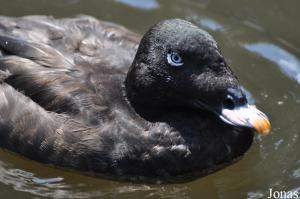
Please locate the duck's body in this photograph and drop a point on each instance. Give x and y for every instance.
(66, 99)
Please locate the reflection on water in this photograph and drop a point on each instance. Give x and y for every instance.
(286, 61)
(205, 22)
(64, 186)
(239, 27)
(210, 24)
(147, 5)
(47, 180)
(24, 181)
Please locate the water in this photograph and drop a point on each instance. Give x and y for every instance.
(261, 40)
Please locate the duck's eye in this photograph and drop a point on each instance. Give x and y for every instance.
(174, 59)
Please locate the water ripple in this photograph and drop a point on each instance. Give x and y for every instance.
(145, 5)
(206, 22)
(287, 62)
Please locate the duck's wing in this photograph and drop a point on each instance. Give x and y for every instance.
(26, 128)
(62, 64)
(74, 41)
(56, 89)
(54, 76)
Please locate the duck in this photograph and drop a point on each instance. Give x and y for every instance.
(93, 97)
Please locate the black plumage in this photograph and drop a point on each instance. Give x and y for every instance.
(79, 93)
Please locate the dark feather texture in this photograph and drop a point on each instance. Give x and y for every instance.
(63, 100)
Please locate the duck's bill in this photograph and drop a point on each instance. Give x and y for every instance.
(248, 116)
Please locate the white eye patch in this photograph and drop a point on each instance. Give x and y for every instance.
(174, 59)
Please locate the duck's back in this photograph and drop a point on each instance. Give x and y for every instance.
(61, 88)
(71, 41)
(66, 65)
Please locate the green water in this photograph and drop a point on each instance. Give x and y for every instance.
(261, 40)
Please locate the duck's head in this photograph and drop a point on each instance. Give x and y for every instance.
(178, 64)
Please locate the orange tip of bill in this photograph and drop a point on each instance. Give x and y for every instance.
(262, 125)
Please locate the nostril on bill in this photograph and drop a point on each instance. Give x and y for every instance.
(243, 100)
(235, 98)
